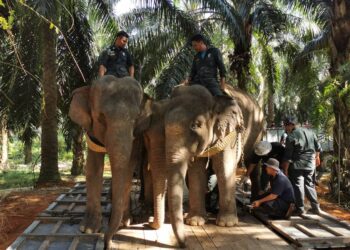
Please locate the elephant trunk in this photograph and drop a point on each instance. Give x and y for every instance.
(119, 150)
(176, 179)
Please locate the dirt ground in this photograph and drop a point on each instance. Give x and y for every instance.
(19, 209)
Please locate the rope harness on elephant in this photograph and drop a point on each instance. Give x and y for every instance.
(94, 144)
(233, 138)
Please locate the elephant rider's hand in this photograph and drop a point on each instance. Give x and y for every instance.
(318, 161)
(223, 83)
(245, 180)
(185, 82)
(256, 204)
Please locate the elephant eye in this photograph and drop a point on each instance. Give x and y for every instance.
(196, 125)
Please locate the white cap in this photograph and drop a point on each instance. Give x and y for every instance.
(263, 148)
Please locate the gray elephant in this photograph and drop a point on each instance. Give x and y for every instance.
(180, 134)
(107, 111)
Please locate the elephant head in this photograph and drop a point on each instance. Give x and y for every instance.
(107, 111)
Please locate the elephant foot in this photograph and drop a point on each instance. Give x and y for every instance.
(195, 219)
(127, 220)
(109, 244)
(154, 225)
(91, 223)
(226, 220)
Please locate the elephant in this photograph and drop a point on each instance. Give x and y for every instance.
(181, 134)
(108, 110)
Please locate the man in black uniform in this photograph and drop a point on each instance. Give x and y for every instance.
(262, 152)
(206, 64)
(278, 202)
(116, 60)
(299, 162)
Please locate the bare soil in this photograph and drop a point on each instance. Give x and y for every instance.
(19, 209)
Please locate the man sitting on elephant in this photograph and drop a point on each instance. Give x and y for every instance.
(116, 60)
(206, 64)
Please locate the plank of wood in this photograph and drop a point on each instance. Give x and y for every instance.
(203, 238)
(74, 244)
(305, 230)
(56, 227)
(191, 239)
(45, 245)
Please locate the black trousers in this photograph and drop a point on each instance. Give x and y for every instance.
(304, 185)
(276, 208)
(211, 84)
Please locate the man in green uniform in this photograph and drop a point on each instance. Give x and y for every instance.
(116, 60)
(299, 162)
(206, 64)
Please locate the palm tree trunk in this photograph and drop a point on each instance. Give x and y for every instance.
(78, 153)
(241, 58)
(4, 145)
(340, 55)
(27, 152)
(49, 142)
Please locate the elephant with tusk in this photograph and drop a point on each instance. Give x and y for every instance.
(180, 134)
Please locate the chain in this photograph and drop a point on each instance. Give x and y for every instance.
(242, 131)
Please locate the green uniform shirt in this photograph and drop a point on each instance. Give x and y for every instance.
(301, 148)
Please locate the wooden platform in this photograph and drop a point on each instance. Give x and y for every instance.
(63, 233)
(308, 231)
(58, 228)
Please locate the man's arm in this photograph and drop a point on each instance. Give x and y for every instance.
(103, 59)
(101, 70)
(270, 197)
(222, 70)
(132, 71)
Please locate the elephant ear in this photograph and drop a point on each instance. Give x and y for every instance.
(143, 122)
(79, 109)
(228, 116)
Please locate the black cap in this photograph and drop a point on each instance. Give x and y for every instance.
(290, 120)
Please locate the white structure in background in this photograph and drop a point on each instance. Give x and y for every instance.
(274, 135)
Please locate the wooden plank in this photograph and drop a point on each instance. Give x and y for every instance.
(203, 238)
(331, 230)
(44, 245)
(56, 227)
(305, 230)
(192, 241)
(74, 243)
(32, 235)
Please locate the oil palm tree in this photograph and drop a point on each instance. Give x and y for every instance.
(335, 40)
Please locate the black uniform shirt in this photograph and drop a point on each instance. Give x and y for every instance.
(204, 69)
(116, 60)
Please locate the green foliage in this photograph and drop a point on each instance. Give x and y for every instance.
(16, 179)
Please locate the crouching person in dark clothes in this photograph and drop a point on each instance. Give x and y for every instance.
(278, 202)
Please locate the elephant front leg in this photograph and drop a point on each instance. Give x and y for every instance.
(197, 184)
(224, 165)
(94, 176)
